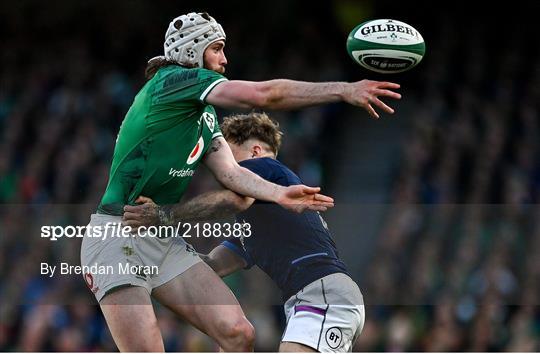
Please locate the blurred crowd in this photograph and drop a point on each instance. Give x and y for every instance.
(457, 261)
(461, 239)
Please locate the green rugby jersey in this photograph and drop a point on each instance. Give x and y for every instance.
(162, 139)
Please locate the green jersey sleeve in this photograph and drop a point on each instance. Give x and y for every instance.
(211, 80)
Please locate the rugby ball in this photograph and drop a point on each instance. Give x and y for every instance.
(386, 46)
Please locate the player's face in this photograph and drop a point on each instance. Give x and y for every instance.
(214, 57)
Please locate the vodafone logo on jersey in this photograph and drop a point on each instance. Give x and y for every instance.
(196, 152)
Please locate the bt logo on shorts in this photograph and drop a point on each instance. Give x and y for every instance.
(334, 337)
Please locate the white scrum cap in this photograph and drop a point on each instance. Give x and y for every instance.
(189, 35)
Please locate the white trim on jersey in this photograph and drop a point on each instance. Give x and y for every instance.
(216, 135)
(209, 88)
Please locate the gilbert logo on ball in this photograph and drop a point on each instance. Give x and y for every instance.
(386, 46)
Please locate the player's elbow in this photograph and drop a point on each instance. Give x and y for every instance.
(221, 272)
(234, 203)
(267, 95)
(239, 203)
(216, 266)
(247, 94)
(205, 258)
(211, 262)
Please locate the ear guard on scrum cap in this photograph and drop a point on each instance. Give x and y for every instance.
(189, 35)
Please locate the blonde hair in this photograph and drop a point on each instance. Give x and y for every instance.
(239, 128)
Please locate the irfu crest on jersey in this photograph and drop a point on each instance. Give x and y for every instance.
(210, 120)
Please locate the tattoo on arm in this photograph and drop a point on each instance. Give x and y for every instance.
(165, 214)
(214, 147)
(208, 206)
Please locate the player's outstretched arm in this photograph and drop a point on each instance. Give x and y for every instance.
(288, 94)
(223, 261)
(220, 160)
(207, 206)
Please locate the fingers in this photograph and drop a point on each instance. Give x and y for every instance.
(319, 202)
(389, 85)
(371, 111)
(317, 206)
(373, 90)
(130, 216)
(324, 205)
(142, 199)
(133, 208)
(387, 93)
(311, 190)
(382, 105)
(316, 196)
(324, 198)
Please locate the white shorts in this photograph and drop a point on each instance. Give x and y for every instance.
(326, 315)
(116, 262)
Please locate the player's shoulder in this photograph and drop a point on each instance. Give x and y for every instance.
(276, 167)
(278, 164)
(176, 72)
(186, 82)
(183, 73)
(267, 162)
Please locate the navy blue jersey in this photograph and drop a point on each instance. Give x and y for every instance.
(293, 249)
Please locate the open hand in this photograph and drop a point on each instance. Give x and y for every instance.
(298, 198)
(366, 92)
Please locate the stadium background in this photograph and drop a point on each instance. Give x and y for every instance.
(436, 214)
